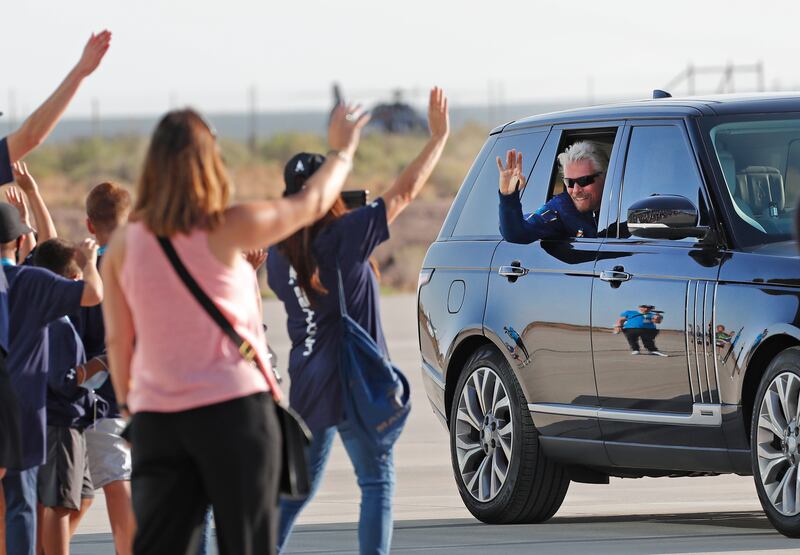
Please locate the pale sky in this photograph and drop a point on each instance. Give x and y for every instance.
(208, 54)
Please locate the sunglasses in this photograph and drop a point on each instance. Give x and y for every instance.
(583, 181)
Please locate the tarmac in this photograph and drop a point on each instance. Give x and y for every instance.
(717, 515)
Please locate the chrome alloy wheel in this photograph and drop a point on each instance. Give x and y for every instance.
(778, 443)
(484, 434)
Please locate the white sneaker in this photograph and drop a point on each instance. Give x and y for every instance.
(634, 352)
(658, 354)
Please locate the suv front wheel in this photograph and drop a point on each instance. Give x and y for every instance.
(775, 442)
(502, 474)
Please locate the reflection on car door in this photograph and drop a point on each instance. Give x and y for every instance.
(538, 307)
(652, 310)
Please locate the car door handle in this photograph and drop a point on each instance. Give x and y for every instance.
(615, 276)
(512, 271)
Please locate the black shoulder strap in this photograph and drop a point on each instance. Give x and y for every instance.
(245, 348)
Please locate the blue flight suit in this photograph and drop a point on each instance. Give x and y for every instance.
(557, 218)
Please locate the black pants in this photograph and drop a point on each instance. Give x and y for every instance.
(648, 338)
(224, 455)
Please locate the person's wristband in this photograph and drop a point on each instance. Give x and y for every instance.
(340, 155)
(123, 408)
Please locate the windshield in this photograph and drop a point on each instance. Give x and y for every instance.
(761, 163)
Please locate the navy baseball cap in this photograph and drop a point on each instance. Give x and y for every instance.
(11, 226)
(299, 169)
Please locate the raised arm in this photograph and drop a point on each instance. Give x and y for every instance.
(117, 318)
(413, 178)
(93, 287)
(16, 199)
(41, 122)
(255, 225)
(45, 227)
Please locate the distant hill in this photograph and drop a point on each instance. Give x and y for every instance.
(237, 126)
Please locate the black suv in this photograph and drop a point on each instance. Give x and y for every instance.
(522, 355)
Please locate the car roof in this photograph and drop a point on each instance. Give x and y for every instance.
(710, 105)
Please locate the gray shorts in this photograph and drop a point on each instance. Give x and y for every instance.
(109, 454)
(64, 478)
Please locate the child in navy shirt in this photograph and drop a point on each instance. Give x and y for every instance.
(65, 488)
(36, 297)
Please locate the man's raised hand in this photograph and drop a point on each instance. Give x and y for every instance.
(511, 177)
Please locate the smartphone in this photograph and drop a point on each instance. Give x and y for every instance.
(355, 199)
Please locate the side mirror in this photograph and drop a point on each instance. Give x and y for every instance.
(665, 217)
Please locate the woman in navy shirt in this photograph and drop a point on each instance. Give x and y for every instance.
(302, 272)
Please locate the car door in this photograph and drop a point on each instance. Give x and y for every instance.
(652, 311)
(538, 308)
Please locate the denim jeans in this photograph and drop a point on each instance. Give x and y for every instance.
(375, 474)
(205, 541)
(20, 491)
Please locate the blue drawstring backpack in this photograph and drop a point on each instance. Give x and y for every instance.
(376, 394)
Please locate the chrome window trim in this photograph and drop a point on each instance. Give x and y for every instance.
(687, 329)
(703, 414)
(705, 346)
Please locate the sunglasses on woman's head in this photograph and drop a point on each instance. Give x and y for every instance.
(582, 181)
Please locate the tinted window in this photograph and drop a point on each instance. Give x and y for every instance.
(479, 217)
(660, 161)
(760, 161)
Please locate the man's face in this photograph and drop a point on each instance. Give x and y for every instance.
(586, 199)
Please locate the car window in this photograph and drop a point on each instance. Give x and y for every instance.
(760, 162)
(660, 162)
(479, 217)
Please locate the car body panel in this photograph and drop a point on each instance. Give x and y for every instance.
(593, 402)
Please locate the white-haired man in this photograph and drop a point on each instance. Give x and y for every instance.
(572, 213)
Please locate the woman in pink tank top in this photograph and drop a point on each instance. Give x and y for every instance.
(204, 428)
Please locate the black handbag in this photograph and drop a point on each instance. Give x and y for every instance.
(294, 480)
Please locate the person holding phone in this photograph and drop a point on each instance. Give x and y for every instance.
(302, 270)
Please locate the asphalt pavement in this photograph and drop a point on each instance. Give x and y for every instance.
(646, 516)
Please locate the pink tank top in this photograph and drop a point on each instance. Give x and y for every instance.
(181, 359)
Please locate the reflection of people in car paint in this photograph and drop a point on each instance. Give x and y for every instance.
(722, 337)
(636, 324)
(512, 333)
(759, 338)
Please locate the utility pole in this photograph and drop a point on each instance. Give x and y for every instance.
(253, 137)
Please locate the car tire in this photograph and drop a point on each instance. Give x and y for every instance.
(775, 442)
(503, 475)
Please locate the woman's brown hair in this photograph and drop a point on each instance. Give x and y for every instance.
(183, 184)
(298, 249)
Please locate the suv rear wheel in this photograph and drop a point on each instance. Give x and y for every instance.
(502, 474)
(775, 442)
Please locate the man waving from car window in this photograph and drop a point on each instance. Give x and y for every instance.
(572, 213)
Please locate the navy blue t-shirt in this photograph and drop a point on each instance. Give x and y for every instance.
(315, 327)
(36, 297)
(67, 402)
(556, 219)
